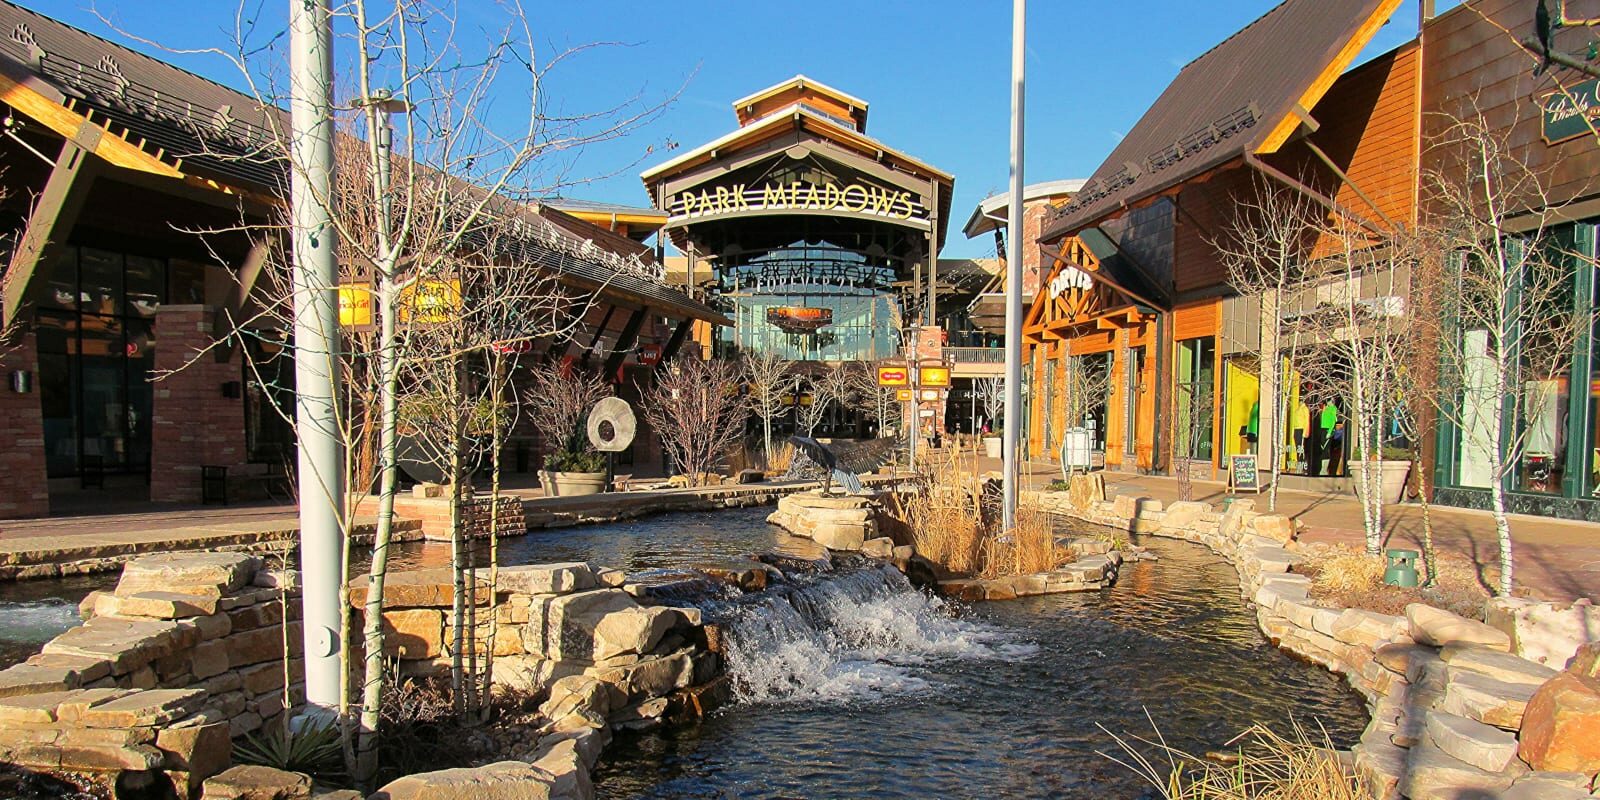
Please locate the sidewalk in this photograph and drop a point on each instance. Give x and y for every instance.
(1559, 559)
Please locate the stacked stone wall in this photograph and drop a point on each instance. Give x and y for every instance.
(1449, 696)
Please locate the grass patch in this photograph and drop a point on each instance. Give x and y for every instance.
(1263, 765)
(1343, 576)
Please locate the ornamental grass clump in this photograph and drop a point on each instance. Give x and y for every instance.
(1265, 765)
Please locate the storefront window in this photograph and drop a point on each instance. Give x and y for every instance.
(1196, 386)
(1088, 392)
(1241, 392)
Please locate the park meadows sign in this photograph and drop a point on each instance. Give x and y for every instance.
(853, 198)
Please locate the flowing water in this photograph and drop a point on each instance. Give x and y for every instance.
(852, 684)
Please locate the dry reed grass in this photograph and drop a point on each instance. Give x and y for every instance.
(782, 457)
(1343, 576)
(953, 524)
(1266, 766)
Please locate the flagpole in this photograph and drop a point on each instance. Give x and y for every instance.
(1014, 237)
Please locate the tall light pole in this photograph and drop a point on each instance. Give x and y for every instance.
(1013, 404)
(316, 342)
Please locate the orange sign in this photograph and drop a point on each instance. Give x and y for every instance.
(894, 375)
(933, 377)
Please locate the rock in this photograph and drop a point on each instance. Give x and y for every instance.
(835, 522)
(150, 707)
(570, 623)
(126, 644)
(588, 742)
(1397, 658)
(1083, 491)
(212, 574)
(257, 783)
(547, 578)
(1496, 664)
(580, 696)
(1432, 774)
(1365, 628)
(613, 578)
(422, 588)
(1277, 527)
(24, 679)
(505, 780)
(881, 547)
(1586, 662)
(1437, 627)
(34, 709)
(1479, 697)
(1561, 727)
(640, 716)
(569, 774)
(747, 574)
(201, 750)
(632, 630)
(1483, 746)
(413, 633)
(1534, 787)
(157, 605)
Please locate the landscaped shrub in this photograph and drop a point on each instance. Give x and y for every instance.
(1265, 766)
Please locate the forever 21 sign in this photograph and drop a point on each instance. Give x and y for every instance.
(858, 198)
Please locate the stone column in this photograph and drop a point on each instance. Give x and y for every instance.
(22, 456)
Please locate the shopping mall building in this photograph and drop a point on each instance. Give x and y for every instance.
(817, 240)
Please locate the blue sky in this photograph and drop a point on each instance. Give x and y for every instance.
(936, 72)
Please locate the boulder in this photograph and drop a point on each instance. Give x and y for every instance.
(571, 620)
(1586, 661)
(1432, 774)
(1536, 787)
(504, 780)
(420, 588)
(1479, 697)
(1083, 491)
(632, 630)
(1366, 628)
(568, 773)
(1561, 727)
(1545, 633)
(257, 783)
(156, 605)
(1437, 627)
(213, 574)
(1483, 746)
(413, 633)
(577, 701)
(1182, 515)
(1277, 527)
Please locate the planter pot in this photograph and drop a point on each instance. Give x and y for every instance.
(1391, 478)
(572, 484)
(992, 446)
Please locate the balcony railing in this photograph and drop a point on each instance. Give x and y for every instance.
(975, 355)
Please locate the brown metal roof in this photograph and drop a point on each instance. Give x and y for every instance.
(1234, 99)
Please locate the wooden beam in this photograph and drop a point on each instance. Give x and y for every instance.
(1314, 195)
(675, 341)
(599, 331)
(228, 318)
(69, 124)
(625, 340)
(53, 217)
(1365, 198)
(1331, 71)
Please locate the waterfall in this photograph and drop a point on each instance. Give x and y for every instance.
(843, 637)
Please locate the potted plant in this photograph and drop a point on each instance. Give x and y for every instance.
(992, 442)
(573, 473)
(1393, 466)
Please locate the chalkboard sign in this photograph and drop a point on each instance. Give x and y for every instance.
(1242, 473)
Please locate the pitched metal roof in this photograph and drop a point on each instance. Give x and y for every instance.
(1239, 97)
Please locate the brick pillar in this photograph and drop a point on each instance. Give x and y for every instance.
(27, 493)
(193, 424)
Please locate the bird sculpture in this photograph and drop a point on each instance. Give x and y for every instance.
(1544, 29)
(839, 462)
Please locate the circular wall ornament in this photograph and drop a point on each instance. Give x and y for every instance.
(612, 425)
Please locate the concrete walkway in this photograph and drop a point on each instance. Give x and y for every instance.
(40, 547)
(1557, 559)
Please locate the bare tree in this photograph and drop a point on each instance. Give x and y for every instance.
(1264, 250)
(1085, 386)
(830, 387)
(886, 409)
(991, 394)
(1507, 321)
(558, 400)
(696, 409)
(770, 380)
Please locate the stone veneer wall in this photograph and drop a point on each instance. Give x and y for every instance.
(1447, 699)
(22, 458)
(192, 423)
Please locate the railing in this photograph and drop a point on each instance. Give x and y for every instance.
(975, 355)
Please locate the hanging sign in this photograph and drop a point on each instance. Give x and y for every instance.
(430, 302)
(799, 319)
(1570, 114)
(355, 305)
(649, 354)
(903, 395)
(937, 377)
(894, 375)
